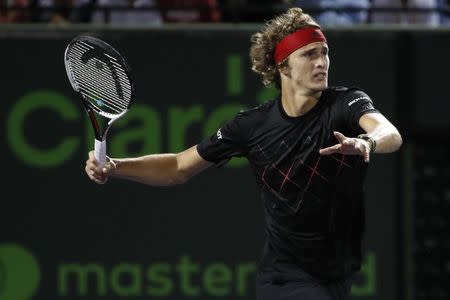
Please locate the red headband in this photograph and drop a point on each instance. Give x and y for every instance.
(296, 40)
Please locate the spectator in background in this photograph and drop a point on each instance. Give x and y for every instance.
(52, 11)
(445, 16)
(254, 11)
(430, 15)
(336, 12)
(382, 16)
(16, 11)
(82, 11)
(134, 12)
(62, 11)
(3, 11)
(188, 11)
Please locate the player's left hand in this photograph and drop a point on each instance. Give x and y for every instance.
(347, 145)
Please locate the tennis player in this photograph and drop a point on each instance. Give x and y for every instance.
(309, 150)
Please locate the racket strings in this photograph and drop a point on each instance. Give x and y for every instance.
(98, 82)
(119, 68)
(97, 92)
(96, 77)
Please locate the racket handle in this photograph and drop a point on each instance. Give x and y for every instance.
(100, 152)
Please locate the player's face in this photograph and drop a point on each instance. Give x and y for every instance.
(309, 67)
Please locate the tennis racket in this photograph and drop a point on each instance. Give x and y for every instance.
(102, 77)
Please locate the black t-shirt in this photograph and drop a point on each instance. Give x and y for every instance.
(313, 203)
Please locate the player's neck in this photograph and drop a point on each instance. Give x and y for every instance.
(297, 102)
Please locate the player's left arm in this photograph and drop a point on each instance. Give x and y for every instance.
(381, 137)
(384, 134)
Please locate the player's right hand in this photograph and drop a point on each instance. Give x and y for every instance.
(95, 172)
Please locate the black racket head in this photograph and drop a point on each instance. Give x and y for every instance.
(100, 74)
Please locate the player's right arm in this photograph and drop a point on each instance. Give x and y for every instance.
(155, 169)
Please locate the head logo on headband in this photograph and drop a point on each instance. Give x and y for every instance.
(296, 40)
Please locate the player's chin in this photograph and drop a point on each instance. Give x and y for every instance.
(323, 84)
(319, 87)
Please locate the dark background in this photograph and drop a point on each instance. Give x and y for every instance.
(61, 217)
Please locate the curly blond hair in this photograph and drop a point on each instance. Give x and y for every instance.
(263, 43)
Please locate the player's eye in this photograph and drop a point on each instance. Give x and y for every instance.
(309, 54)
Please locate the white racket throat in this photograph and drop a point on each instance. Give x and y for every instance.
(100, 152)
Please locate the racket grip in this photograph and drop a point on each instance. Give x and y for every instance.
(100, 152)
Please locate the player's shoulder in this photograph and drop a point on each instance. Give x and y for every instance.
(338, 91)
(260, 108)
(257, 113)
(337, 94)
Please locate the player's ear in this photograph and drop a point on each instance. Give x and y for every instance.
(284, 69)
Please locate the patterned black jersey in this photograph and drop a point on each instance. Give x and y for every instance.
(313, 203)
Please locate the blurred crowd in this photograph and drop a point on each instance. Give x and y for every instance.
(156, 12)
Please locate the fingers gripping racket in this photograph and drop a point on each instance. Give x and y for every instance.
(102, 77)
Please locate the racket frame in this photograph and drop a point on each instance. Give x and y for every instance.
(92, 110)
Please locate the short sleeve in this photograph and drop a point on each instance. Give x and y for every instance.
(225, 143)
(355, 104)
